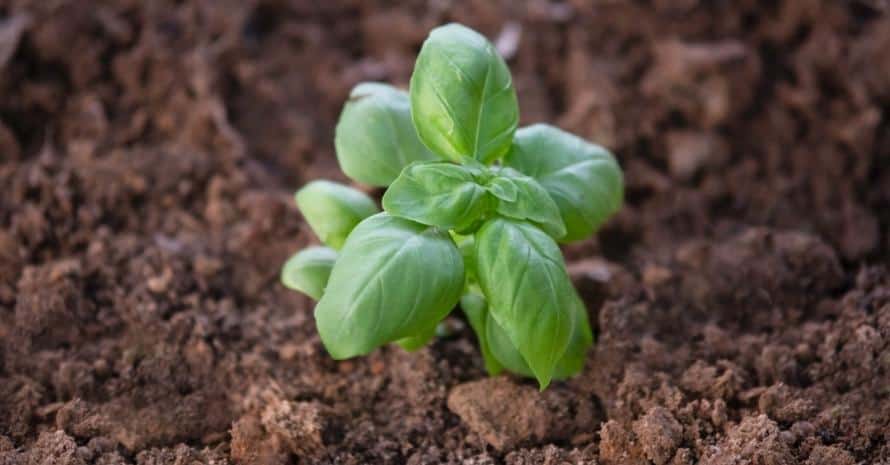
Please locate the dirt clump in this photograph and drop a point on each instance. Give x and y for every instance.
(299, 425)
(506, 414)
(660, 434)
(755, 440)
(830, 455)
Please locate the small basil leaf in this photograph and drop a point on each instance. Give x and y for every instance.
(583, 178)
(503, 188)
(375, 137)
(462, 98)
(412, 343)
(394, 278)
(332, 210)
(533, 203)
(438, 194)
(474, 306)
(523, 277)
(308, 270)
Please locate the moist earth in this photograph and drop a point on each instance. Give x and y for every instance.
(149, 150)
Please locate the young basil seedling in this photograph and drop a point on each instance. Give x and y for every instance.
(473, 214)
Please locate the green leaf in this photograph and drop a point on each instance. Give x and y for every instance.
(523, 277)
(583, 178)
(412, 343)
(531, 202)
(582, 338)
(437, 194)
(503, 188)
(474, 306)
(571, 363)
(308, 270)
(467, 246)
(332, 210)
(462, 98)
(394, 279)
(375, 137)
(503, 350)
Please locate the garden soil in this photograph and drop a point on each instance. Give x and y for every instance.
(148, 156)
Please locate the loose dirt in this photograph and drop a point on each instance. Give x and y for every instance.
(148, 152)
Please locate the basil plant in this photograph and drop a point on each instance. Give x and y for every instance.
(473, 213)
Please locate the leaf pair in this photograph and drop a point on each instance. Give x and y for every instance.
(462, 197)
(332, 211)
(462, 106)
(582, 180)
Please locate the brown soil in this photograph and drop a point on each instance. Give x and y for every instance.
(148, 151)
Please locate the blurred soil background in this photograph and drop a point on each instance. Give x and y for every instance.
(149, 151)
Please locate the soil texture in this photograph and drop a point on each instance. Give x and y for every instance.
(148, 155)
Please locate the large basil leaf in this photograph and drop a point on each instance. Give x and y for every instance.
(462, 98)
(530, 202)
(476, 309)
(523, 276)
(438, 194)
(583, 178)
(393, 279)
(375, 137)
(308, 270)
(332, 210)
